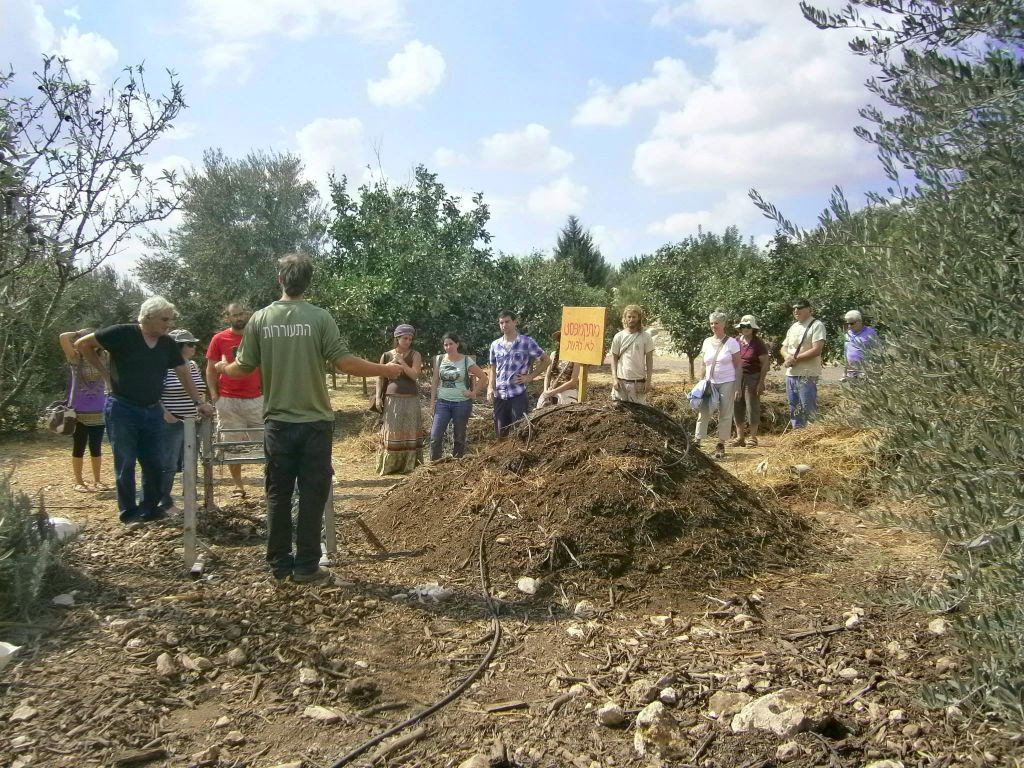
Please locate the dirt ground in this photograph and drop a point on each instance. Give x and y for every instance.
(247, 664)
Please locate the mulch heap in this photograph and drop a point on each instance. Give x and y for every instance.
(604, 491)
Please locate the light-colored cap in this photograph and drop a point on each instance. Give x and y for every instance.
(749, 320)
(182, 336)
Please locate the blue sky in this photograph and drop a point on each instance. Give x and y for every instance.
(646, 118)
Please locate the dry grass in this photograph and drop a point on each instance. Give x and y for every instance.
(838, 457)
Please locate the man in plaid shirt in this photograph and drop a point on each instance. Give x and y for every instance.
(511, 358)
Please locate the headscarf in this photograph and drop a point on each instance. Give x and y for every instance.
(404, 330)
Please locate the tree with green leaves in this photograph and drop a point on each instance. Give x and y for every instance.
(687, 281)
(576, 246)
(72, 190)
(410, 254)
(941, 254)
(238, 218)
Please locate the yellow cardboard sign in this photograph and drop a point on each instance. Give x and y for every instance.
(582, 335)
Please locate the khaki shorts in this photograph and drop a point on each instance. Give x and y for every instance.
(240, 413)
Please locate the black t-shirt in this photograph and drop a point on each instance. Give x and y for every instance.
(137, 370)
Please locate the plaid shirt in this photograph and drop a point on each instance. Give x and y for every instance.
(510, 360)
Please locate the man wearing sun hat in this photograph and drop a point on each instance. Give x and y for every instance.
(801, 351)
(858, 338)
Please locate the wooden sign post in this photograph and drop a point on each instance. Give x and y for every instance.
(582, 339)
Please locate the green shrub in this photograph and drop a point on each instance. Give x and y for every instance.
(27, 548)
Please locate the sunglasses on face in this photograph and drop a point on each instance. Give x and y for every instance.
(188, 344)
(746, 326)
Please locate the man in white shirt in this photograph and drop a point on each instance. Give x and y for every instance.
(632, 358)
(802, 349)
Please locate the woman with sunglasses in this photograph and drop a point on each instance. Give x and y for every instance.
(755, 362)
(177, 405)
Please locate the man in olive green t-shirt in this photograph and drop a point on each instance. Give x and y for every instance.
(289, 341)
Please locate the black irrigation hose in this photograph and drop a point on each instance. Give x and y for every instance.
(461, 687)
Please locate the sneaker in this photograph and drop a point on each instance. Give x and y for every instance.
(752, 442)
(131, 516)
(720, 451)
(739, 442)
(319, 576)
(280, 575)
(148, 517)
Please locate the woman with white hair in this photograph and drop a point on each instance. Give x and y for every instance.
(720, 361)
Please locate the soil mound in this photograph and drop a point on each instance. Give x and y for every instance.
(603, 490)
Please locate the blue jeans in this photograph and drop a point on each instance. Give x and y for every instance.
(135, 436)
(507, 411)
(297, 454)
(457, 412)
(173, 445)
(802, 393)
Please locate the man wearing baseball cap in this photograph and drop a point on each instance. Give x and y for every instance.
(802, 349)
(858, 338)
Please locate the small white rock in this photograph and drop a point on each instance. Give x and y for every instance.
(236, 657)
(668, 696)
(399, 596)
(165, 666)
(309, 676)
(897, 716)
(23, 714)
(576, 632)
(788, 751)
(938, 626)
(661, 621)
(235, 739)
(65, 601)
(849, 673)
(135, 644)
(223, 722)
(853, 622)
(528, 585)
(611, 715)
(584, 610)
(323, 714)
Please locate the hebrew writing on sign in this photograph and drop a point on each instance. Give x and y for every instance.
(582, 335)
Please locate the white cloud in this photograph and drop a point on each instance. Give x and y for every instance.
(671, 82)
(333, 145)
(669, 13)
(527, 150)
(181, 130)
(610, 241)
(558, 199)
(73, 13)
(783, 158)
(237, 28)
(444, 157)
(234, 57)
(734, 209)
(89, 55)
(251, 19)
(413, 73)
(775, 112)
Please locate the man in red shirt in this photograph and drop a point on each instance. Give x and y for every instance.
(239, 401)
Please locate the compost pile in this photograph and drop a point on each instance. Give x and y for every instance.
(600, 491)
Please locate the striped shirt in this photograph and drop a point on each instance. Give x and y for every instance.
(176, 399)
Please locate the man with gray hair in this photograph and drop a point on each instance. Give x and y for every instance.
(858, 338)
(140, 356)
(289, 341)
